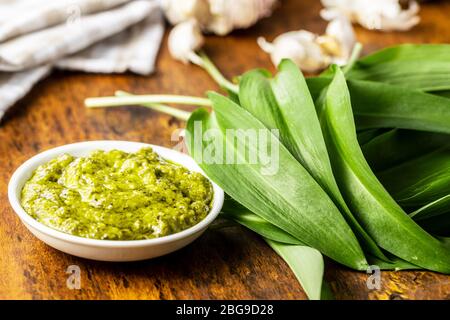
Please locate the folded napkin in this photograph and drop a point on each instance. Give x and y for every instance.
(19, 17)
(113, 36)
(50, 44)
(14, 86)
(134, 49)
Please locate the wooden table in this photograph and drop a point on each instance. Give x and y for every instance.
(230, 263)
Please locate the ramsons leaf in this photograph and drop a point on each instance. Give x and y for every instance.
(365, 136)
(419, 181)
(435, 208)
(380, 105)
(395, 264)
(288, 198)
(306, 263)
(378, 213)
(284, 103)
(394, 147)
(415, 66)
(237, 212)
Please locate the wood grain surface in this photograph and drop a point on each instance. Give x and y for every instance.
(230, 263)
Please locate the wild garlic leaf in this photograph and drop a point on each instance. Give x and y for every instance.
(435, 208)
(289, 198)
(235, 211)
(284, 103)
(306, 263)
(375, 209)
(395, 264)
(424, 67)
(419, 181)
(399, 146)
(380, 105)
(365, 136)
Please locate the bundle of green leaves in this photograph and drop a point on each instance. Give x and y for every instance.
(365, 158)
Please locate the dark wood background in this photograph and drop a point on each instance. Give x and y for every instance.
(231, 263)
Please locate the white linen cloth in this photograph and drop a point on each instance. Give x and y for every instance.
(19, 17)
(105, 36)
(14, 86)
(134, 49)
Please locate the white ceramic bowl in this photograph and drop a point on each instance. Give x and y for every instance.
(108, 250)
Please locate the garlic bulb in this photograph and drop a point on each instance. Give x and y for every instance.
(385, 15)
(310, 51)
(218, 16)
(184, 39)
(227, 15)
(177, 11)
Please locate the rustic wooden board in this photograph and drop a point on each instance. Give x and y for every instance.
(225, 264)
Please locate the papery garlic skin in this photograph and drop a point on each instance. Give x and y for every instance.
(311, 52)
(228, 15)
(178, 11)
(384, 15)
(218, 16)
(299, 46)
(184, 40)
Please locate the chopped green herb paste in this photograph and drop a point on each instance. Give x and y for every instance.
(117, 195)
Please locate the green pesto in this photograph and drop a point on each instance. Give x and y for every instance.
(116, 195)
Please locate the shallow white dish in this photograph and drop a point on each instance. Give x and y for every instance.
(108, 250)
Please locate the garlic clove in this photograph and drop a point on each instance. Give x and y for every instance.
(283, 48)
(385, 15)
(300, 47)
(310, 52)
(184, 40)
